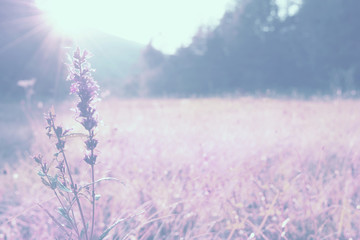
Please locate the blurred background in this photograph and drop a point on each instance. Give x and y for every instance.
(292, 48)
(285, 47)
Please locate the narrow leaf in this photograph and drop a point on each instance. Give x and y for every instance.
(53, 182)
(62, 211)
(62, 187)
(83, 231)
(45, 182)
(99, 180)
(54, 219)
(41, 173)
(106, 178)
(106, 232)
(65, 214)
(102, 179)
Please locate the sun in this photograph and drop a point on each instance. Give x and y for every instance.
(168, 24)
(68, 17)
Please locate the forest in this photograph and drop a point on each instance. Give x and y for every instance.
(313, 51)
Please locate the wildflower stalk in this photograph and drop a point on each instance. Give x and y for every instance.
(62, 172)
(53, 185)
(84, 86)
(93, 200)
(60, 146)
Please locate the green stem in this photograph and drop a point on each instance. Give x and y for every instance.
(74, 225)
(71, 179)
(91, 136)
(93, 200)
(71, 209)
(76, 195)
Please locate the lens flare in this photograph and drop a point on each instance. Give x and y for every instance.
(67, 17)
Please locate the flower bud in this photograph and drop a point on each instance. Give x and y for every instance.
(38, 159)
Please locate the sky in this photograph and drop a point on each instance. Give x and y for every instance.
(167, 24)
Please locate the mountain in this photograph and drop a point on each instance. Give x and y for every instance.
(114, 58)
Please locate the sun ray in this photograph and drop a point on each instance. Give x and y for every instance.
(68, 17)
(26, 30)
(21, 38)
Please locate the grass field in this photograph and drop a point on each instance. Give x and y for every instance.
(203, 169)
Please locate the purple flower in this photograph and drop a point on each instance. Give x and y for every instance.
(89, 123)
(86, 88)
(60, 145)
(91, 144)
(74, 88)
(38, 158)
(90, 159)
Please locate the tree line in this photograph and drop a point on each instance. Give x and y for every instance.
(312, 50)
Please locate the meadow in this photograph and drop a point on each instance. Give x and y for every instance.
(219, 168)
